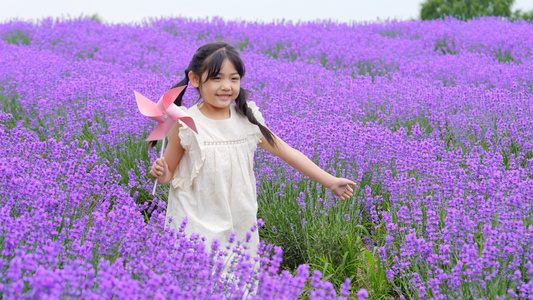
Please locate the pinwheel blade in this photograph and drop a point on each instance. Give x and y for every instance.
(171, 95)
(146, 106)
(161, 130)
(176, 113)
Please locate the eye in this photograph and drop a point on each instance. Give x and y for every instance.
(235, 78)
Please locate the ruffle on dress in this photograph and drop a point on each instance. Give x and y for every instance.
(190, 164)
(255, 134)
(255, 110)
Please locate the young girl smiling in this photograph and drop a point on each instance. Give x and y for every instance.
(211, 173)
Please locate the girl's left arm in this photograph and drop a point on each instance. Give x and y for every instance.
(339, 186)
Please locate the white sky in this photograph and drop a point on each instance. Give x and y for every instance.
(115, 11)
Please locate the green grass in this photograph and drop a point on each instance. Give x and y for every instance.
(445, 46)
(17, 37)
(506, 56)
(326, 240)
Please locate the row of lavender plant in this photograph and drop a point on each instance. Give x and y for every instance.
(430, 117)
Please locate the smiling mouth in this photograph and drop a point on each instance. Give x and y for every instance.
(225, 96)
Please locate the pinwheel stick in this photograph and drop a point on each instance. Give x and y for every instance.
(160, 155)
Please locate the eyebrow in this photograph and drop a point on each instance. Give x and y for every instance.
(234, 73)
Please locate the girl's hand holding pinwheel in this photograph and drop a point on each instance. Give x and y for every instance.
(159, 170)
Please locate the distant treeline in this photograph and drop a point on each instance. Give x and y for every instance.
(468, 9)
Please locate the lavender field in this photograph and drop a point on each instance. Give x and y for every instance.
(433, 120)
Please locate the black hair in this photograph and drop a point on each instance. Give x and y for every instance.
(209, 58)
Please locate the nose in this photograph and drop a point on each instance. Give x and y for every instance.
(226, 86)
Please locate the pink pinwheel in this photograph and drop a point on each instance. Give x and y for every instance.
(164, 112)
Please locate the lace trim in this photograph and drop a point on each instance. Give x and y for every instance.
(219, 143)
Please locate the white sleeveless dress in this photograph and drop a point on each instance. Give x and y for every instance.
(214, 185)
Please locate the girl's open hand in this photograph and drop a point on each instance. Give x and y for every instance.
(341, 187)
(159, 170)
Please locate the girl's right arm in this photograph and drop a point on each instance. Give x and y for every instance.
(163, 168)
(339, 186)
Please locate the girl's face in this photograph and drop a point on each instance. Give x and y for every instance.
(220, 91)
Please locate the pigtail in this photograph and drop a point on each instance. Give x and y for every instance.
(183, 82)
(244, 110)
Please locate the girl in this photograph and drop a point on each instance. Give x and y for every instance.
(211, 173)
